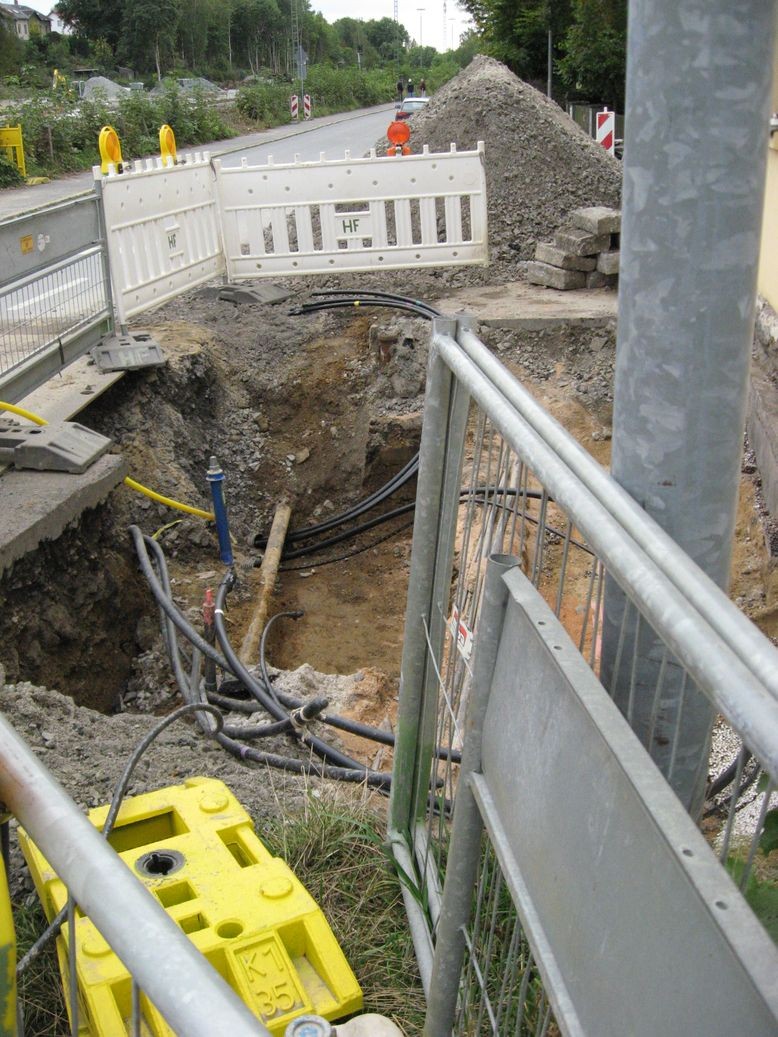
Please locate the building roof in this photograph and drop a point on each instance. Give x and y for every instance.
(21, 13)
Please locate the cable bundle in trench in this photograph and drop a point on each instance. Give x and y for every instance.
(289, 716)
(308, 539)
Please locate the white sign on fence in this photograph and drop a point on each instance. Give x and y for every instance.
(164, 233)
(353, 214)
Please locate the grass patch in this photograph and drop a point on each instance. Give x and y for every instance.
(335, 847)
(39, 991)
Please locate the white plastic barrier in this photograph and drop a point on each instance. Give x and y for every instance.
(164, 233)
(353, 214)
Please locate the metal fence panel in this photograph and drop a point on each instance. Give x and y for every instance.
(528, 489)
(354, 214)
(55, 298)
(607, 865)
(164, 232)
(33, 240)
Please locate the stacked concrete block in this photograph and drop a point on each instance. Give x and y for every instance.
(583, 254)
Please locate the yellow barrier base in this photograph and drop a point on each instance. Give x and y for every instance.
(194, 847)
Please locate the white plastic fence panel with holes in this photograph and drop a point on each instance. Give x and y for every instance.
(163, 230)
(353, 214)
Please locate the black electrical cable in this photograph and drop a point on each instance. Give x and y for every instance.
(234, 705)
(353, 727)
(281, 726)
(243, 752)
(351, 304)
(376, 295)
(377, 497)
(359, 775)
(294, 614)
(169, 607)
(341, 299)
(338, 766)
(349, 534)
(349, 554)
(339, 759)
(403, 509)
(168, 627)
(727, 775)
(321, 748)
(119, 792)
(726, 803)
(366, 295)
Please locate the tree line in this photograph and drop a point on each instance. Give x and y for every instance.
(224, 38)
(588, 43)
(228, 40)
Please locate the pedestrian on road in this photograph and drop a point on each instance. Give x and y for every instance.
(410, 88)
(399, 90)
(422, 88)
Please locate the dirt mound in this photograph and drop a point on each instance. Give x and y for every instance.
(539, 164)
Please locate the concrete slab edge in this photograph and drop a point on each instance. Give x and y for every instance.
(38, 506)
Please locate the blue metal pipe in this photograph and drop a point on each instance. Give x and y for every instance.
(215, 477)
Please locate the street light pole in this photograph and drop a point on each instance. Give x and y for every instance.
(421, 11)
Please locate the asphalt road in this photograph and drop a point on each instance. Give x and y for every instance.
(332, 134)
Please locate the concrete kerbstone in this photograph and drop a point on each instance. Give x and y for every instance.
(545, 252)
(596, 279)
(555, 277)
(608, 262)
(580, 242)
(597, 219)
(37, 506)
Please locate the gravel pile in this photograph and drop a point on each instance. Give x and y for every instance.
(539, 164)
(102, 87)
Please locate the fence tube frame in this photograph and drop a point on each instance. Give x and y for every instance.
(176, 977)
(98, 189)
(709, 600)
(445, 420)
(465, 846)
(739, 694)
(417, 918)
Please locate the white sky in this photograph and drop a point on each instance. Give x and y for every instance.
(432, 23)
(434, 31)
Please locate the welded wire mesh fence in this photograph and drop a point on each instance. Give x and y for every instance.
(487, 487)
(45, 308)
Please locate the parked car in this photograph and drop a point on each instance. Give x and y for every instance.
(409, 106)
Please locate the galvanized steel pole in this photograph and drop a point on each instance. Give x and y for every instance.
(698, 91)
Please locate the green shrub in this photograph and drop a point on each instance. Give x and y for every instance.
(9, 174)
(331, 90)
(60, 135)
(267, 103)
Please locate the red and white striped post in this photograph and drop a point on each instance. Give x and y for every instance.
(606, 130)
(307, 106)
(293, 106)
